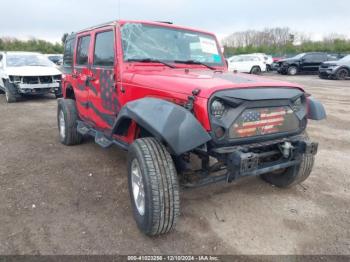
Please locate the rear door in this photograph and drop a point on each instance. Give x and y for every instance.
(103, 96)
(318, 59)
(81, 72)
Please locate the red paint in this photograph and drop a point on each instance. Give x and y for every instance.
(140, 80)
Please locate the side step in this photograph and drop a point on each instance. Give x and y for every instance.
(100, 138)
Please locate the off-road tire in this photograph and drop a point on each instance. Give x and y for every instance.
(292, 70)
(291, 176)
(256, 70)
(70, 114)
(342, 74)
(160, 184)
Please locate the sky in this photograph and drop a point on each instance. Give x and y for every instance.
(49, 19)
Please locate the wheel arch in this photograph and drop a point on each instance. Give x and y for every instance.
(169, 123)
(344, 67)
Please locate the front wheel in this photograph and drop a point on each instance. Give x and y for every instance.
(153, 187)
(291, 176)
(342, 74)
(256, 70)
(11, 93)
(292, 70)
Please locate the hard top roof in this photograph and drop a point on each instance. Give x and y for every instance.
(122, 22)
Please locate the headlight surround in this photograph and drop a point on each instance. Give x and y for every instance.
(15, 79)
(217, 108)
(298, 104)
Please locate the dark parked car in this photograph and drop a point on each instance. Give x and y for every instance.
(339, 70)
(305, 62)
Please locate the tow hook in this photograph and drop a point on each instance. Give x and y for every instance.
(286, 149)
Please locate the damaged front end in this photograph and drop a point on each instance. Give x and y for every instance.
(254, 132)
(36, 84)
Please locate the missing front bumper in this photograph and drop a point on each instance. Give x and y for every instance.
(242, 161)
(241, 164)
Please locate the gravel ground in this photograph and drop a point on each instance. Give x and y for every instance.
(74, 200)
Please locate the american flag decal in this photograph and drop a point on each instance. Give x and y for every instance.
(261, 121)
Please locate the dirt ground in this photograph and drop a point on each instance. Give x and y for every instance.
(74, 200)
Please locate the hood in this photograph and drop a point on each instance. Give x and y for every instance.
(208, 81)
(32, 71)
(335, 62)
(288, 60)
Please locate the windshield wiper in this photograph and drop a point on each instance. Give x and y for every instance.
(149, 60)
(194, 62)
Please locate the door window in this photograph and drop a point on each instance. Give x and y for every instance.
(318, 58)
(104, 49)
(83, 50)
(68, 52)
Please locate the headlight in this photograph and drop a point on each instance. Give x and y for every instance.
(217, 108)
(15, 79)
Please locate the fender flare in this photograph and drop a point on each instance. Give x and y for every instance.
(316, 110)
(168, 122)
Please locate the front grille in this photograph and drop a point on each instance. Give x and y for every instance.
(45, 79)
(262, 121)
(30, 80)
(36, 79)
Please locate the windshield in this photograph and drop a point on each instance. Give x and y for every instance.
(16, 60)
(142, 41)
(235, 59)
(298, 56)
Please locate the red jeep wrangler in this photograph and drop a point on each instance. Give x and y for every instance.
(163, 93)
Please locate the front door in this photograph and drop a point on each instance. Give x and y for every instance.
(103, 98)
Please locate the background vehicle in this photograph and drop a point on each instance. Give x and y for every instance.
(55, 58)
(253, 64)
(24, 73)
(268, 60)
(166, 97)
(304, 62)
(339, 70)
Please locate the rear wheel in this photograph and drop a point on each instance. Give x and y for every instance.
(342, 74)
(291, 176)
(292, 70)
(153, 187)
(67, 117)
(256, 70)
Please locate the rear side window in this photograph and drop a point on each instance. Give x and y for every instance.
(318, 57)
(83, 50)
(104, 49)
(68, 52)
